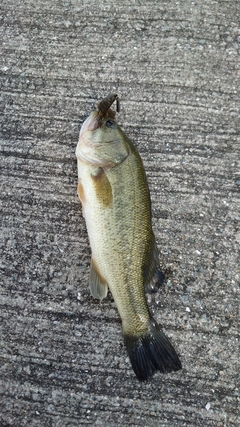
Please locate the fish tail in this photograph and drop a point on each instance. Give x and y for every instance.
(151, 352)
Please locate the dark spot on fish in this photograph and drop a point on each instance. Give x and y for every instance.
(102, 187)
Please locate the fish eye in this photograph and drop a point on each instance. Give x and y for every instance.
(109, 123)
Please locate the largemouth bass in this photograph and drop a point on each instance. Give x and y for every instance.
(113, 190)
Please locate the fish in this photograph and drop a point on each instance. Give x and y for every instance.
(116, 205)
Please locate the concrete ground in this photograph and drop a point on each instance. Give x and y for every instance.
(175, 66)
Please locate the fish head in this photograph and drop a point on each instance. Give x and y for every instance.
(101, 141)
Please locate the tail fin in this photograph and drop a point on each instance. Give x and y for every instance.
(151, 352)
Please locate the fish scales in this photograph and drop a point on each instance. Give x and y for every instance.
(127, 248)
(116, 205)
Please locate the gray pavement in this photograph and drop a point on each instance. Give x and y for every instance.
(175, 66)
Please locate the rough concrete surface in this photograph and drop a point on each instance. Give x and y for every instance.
(175, 66)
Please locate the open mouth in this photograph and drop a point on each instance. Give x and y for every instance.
(91, 123)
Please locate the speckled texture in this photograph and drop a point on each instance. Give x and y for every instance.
(175, 66)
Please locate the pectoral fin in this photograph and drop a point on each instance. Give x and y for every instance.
(98, 285)
(102, 187)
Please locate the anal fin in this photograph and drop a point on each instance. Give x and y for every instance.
(97, 284)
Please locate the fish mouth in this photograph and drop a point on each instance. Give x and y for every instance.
(91, 123)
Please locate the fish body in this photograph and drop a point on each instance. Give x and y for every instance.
(114, 193)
